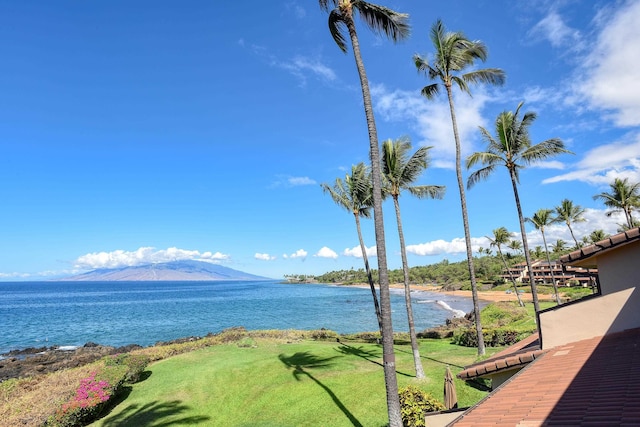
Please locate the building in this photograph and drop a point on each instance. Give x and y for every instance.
(583, 365)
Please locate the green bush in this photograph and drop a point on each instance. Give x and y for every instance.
(135, 363)
(324, 334)
(415, 403)
(492, 337)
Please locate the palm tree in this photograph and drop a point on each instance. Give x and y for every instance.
(515, 245)
(624, 196)
(501, 236)
(395, 26)
(355, 195)
(597, 235)
(400, 171)
(559, 247)
(454, 54)
(570, 213)
(541, 219)
(512, 148)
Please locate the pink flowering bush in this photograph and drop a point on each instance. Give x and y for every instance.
(91, 397)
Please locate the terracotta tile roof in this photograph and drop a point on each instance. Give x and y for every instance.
(603, 245)
(589, 382)
(516, 356)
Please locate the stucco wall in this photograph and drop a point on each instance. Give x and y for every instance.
(619, 269)
(593, 317)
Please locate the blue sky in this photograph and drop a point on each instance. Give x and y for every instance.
(147, 131)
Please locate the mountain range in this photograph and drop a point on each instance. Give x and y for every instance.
(168, 271)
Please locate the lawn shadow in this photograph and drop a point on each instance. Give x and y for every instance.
(367, 355)
(156, 414)
(432, 359)
(302, 363)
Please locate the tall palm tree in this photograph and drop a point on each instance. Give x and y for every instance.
(512, 148)
(624, 196)
(541, 219)
(570, 213)
(395, 26)
(400, 171)
(501, 236)
(355, 195)
(455, 53)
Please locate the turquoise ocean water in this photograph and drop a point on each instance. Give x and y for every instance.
(34, 314)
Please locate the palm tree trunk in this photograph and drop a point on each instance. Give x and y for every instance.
(553, 278)
(525, 244)
(465, 222)
(363, 248)
(513, 280)
(407, 296)
(572, 235)
(388, 354)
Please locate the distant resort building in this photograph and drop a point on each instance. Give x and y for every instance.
(544, 273)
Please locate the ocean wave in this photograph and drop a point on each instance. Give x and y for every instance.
(456, 313)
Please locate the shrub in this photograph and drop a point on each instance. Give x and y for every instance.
(135, 363)
(90, 398)
(323, 334)
(414, 404)
(492, 337)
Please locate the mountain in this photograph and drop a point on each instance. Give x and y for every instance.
(168, 271)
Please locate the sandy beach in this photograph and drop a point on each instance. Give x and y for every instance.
(492, 296)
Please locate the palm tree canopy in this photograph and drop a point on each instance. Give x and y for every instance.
(623, 196)
(355, 192)
(501, 236)
(401, 170)
(454, 53)
(511, 146)
(542, 218)
(379, 19)
(569, 213)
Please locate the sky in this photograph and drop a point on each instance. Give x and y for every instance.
(150, 131)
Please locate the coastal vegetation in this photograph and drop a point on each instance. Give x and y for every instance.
(240, 377)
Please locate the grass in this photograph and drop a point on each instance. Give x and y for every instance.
(275, 383)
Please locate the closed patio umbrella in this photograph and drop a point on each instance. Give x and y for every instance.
(450, 397)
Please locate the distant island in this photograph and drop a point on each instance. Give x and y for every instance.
(168, 271)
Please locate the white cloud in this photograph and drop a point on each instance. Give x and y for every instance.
(431, 119)
(439, 247)
(144, 255)
(601, 165)
(300, 253)
(264, 257)
(357, 252)
(301, 180)
(292, 181)
(326, 252)
(610, 76)
(557, 32)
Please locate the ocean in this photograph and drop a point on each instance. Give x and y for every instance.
(35, 314)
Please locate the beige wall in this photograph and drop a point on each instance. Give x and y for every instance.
(619, 269)
(590, 318)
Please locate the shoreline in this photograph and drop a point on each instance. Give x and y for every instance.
(488, 296)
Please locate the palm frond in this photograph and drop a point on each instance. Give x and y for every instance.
(337, 27)
(462, 84)
(480, 175)
(428, 191)
(544, 150)
(383, 20)
(483, 157)
(494, 76)
(430, 91)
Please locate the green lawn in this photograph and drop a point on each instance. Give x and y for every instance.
(305, 383)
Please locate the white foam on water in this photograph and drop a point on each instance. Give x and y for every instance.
(456, 313)
(67, 347)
